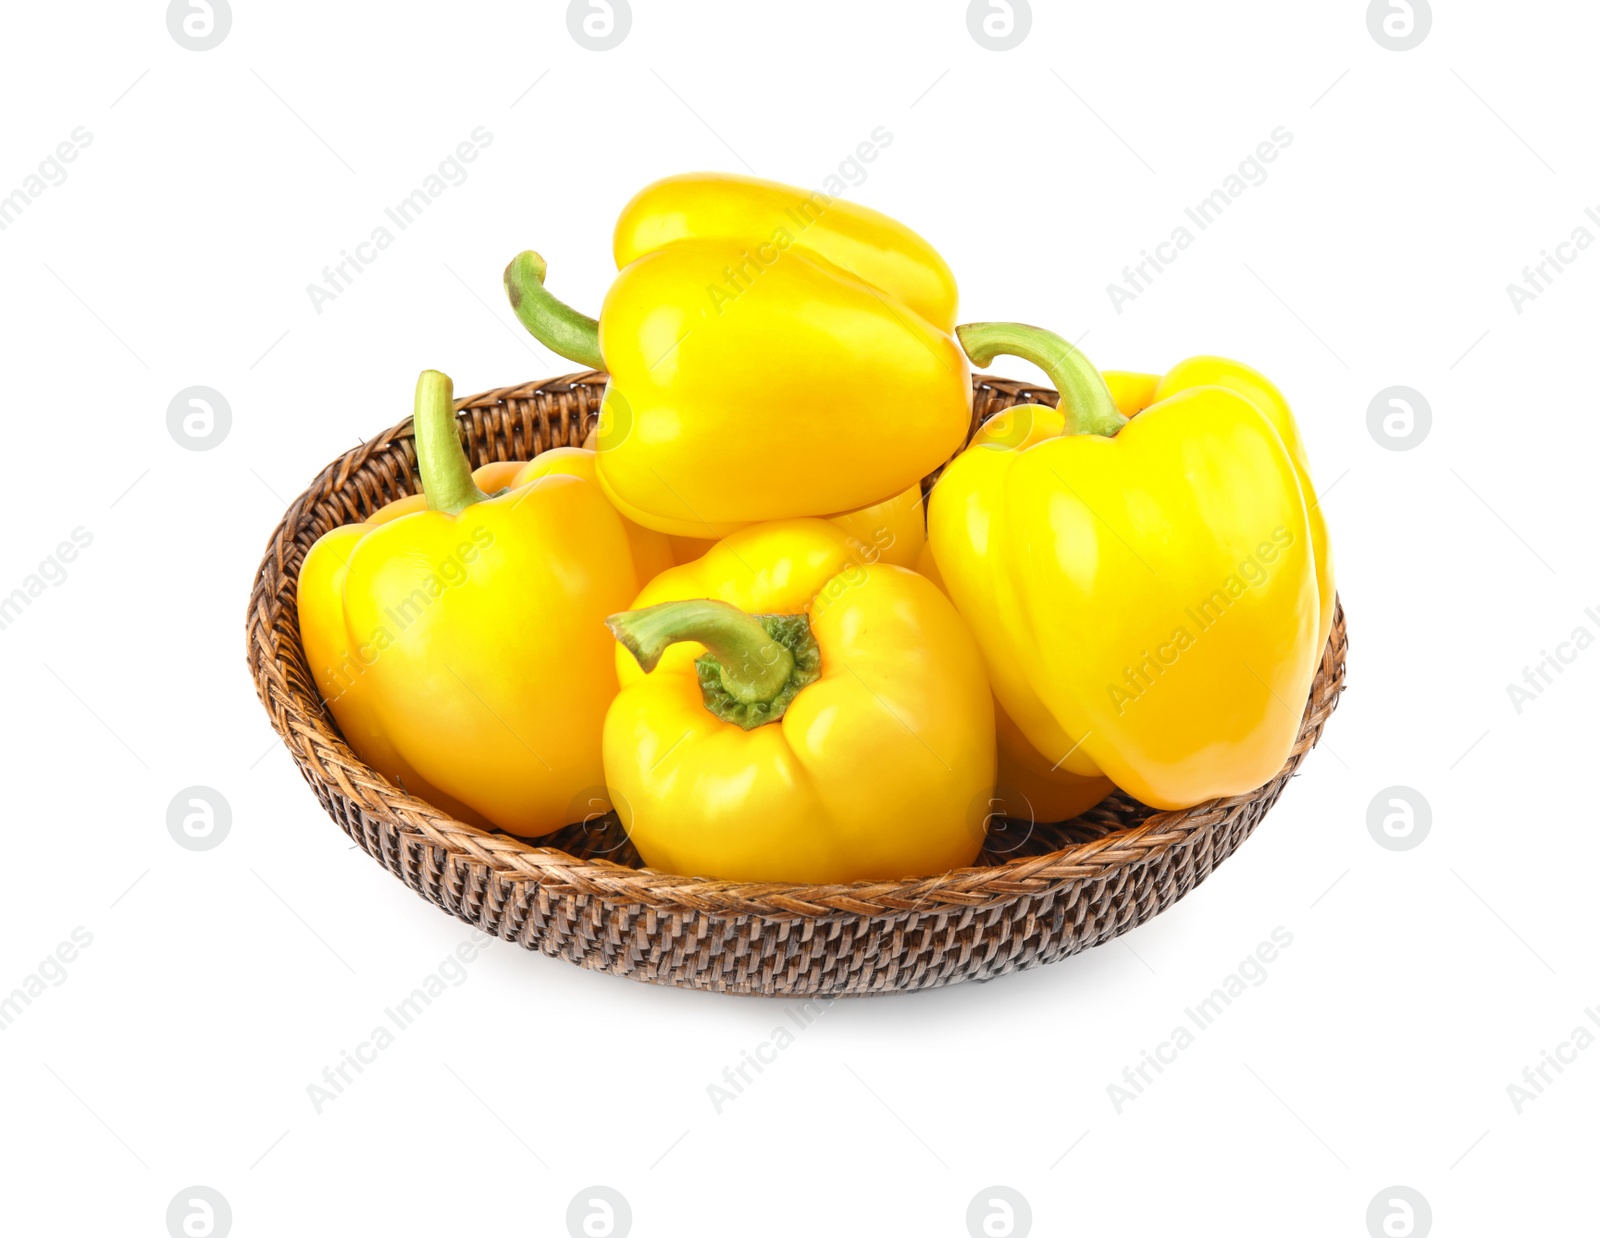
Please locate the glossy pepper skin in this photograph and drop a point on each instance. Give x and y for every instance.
(460, 643)
(879, 765)
(773, 353)
(1145, 591)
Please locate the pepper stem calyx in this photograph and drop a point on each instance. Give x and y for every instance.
(755, 665)
(1086, 401)
(441, 460)
(552, 322)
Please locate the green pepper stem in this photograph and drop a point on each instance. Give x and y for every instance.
(441, 461)
(754, 666)
(1085, 399)
(556, 325)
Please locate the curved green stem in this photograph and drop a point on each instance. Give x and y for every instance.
(755, 664)
(441, 461)
(555, 324)
(1085, 399)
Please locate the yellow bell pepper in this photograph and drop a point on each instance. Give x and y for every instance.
(459, 639)
(1145, 591)
(807, 716)
(773, 354)
(1025, 424)
(1029, 786)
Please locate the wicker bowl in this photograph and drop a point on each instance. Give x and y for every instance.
(1037, 894)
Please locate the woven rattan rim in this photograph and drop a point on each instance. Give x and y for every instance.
(515, 423)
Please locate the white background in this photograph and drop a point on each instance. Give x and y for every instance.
(219, 984)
